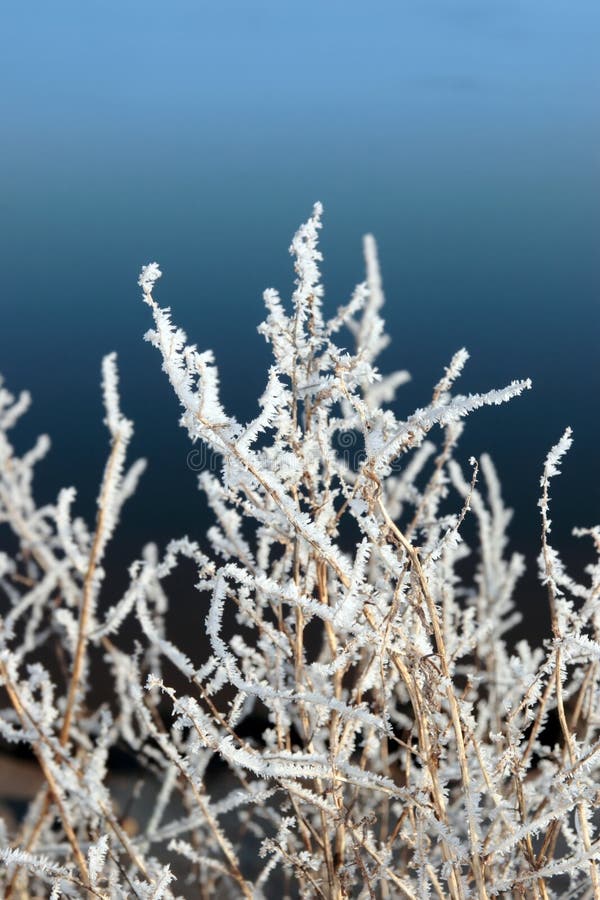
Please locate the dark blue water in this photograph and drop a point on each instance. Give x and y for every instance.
(466, 140)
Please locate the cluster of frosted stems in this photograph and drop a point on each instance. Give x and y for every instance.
(402, 750)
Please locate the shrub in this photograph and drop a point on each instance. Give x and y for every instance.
(403, 751)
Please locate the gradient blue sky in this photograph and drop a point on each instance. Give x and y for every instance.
(465, 135)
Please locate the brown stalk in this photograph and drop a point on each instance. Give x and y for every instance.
(81, 646)
(566, 731)
(53, 789)
(476, 861)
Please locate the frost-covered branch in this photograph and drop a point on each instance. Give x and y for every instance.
(402, 739)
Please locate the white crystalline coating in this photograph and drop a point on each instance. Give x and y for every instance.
(556, 454)
(454, 370)
(110, 389)
(36, 863)
(355, 599)
(551, 469)
(148, 277)
(96, 858)
(350, 605)
(370, 330)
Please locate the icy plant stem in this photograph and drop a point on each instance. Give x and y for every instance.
(399, 743)
(53, 789)
(454, 711)
(86, 597)
(80, 650)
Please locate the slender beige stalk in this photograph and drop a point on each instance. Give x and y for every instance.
(568, 739)
(566, 731)
(476, 861)
(80, 649)
(53, 789)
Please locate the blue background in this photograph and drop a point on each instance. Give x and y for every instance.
(464, 135)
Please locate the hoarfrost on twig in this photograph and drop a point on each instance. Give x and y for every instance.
(400, 746)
